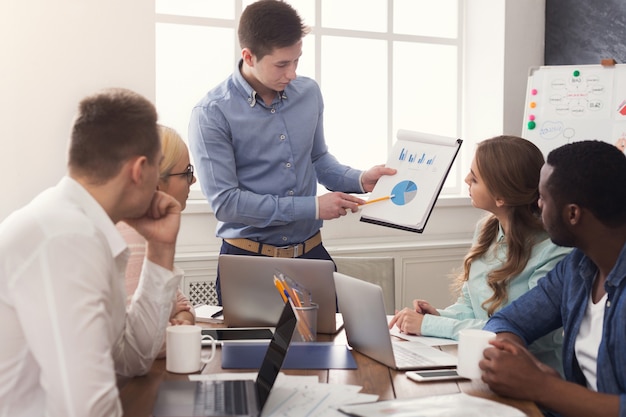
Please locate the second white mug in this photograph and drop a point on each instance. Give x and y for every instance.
(472, 343)
(183, 345)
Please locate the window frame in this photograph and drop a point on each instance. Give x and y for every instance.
(318, 32)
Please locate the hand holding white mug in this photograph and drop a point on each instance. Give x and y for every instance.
(183, 345)
(472, 343)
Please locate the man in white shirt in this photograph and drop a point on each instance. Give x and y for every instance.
(65, 330)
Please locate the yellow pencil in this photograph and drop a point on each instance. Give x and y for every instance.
(280, 288)
(376, 200)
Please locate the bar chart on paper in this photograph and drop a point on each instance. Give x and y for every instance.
(423, 162)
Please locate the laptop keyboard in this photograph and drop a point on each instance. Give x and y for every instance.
(406, 357)
(221, 398)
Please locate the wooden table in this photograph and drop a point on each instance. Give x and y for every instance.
(139, 394)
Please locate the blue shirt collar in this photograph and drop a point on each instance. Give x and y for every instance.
(587, 270)
(618, 274)
(246, 89)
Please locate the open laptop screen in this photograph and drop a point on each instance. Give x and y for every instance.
(276, 353)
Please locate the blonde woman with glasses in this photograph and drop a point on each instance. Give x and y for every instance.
(176, 175)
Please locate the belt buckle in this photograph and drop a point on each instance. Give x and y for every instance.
(295, 250)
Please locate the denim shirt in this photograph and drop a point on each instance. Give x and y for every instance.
(259, 164)
(468, 311)
(560, 299)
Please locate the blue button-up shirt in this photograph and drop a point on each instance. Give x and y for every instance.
(259, 165)
(561, 299)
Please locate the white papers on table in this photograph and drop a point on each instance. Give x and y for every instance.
(451, 405)
(296, 396)
(208, 314)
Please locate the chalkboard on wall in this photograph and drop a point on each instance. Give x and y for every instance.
(568, 103)
(585, 31)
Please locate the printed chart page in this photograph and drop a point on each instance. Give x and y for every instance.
(423, 162)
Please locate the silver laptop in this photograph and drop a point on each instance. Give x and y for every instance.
(249, 297)
(243, 398)
(363, 308)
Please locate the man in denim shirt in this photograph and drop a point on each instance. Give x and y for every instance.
(583, 201)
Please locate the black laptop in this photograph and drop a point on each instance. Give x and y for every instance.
(229, 397)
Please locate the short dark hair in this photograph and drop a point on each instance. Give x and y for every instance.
(591, 174)
(111, 127)
(269, 24)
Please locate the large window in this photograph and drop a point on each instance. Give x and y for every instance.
(382, 65)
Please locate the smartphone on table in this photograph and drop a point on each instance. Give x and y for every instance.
(238, 334)
(427, 375)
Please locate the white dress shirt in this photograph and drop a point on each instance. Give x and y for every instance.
(64, 329)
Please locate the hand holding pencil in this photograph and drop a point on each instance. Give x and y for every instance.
(376, 200)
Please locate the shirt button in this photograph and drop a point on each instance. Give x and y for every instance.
(273, 111)
(282, 137)
(290, 192)
(284, 238)
(288, 164)
(608, 303)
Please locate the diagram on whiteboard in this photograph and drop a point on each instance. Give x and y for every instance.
(406, 199)
(569, 103)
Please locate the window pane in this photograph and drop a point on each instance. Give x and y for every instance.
(370, 15)
(425, 92)
(426, 18)
(220, 9)
(306, 63)
(426, 95)
(306, 10)
(185, 74)
(355, 98)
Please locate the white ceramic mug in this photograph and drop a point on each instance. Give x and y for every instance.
(183, 345)
(472, 343)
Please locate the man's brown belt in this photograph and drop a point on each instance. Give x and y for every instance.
(277, 251)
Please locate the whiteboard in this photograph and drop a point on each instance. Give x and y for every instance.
(568, 103)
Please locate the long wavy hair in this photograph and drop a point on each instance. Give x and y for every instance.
(509, 167)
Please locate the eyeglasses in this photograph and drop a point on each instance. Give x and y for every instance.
(188, 173)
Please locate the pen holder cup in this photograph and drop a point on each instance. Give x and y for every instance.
(306, 330)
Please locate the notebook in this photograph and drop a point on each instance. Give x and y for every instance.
(362, 306)
(407, 199)
(249, 297)
(229, 397)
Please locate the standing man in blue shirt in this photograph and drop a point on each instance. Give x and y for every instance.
(258, 142)
(583, 202)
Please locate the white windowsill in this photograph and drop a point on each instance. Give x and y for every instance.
(197, 206)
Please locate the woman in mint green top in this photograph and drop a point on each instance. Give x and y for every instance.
(511, 250)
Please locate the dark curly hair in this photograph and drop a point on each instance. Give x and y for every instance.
(591, 174)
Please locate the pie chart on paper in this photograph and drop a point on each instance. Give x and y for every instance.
(403, 193)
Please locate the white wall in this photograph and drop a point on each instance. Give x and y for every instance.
(55, 53)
